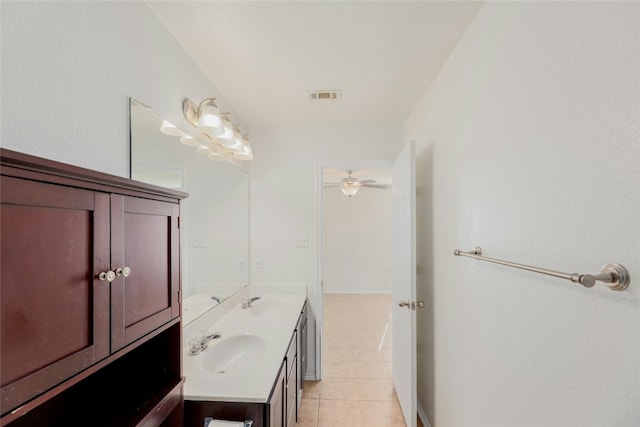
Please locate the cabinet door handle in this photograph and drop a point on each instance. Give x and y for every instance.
(123, 271)
(109, 276)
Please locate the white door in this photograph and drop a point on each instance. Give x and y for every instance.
(404, 282)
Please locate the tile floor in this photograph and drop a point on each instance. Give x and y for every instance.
(356, 389)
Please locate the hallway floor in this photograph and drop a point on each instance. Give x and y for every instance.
(356, 389)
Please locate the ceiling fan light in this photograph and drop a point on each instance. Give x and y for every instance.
(349, 190)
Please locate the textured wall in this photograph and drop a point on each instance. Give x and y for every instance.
(530, 143)
(69, 68)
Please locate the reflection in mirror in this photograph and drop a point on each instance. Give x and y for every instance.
(214, 222)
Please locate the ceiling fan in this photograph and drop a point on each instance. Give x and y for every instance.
(350, 185)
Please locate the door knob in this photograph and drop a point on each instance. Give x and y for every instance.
(406, 304)
(109, 276)
(124, 271)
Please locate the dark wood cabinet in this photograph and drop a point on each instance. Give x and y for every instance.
(144, 238)
(276, 405)
(64, 326)
(302, 351)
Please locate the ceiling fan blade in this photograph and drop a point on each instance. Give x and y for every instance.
(331, 185)
(376, 185)
(367, 181)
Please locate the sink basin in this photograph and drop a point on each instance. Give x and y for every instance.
(270, 307)
(234, 354)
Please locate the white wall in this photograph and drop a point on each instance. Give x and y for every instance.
(530, 142)
(69, 68)
(356, 255)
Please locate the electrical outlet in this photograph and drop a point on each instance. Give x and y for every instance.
(302, 241)
(242, 266)
(199, 242)
(257, 265)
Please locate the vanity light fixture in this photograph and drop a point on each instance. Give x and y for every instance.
(169, 129)
(246, 153)
(205, 117)
(238, 143)
(189, 140)
(217, 137)
(228, 138)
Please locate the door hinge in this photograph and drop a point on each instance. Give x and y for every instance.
(411, 305)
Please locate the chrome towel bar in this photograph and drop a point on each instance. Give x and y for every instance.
(615, 276)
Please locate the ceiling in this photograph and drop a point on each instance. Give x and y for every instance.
(264, 56)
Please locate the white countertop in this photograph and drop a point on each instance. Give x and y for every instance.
(275, 326)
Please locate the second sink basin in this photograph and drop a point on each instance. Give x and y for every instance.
(273, 307)
(235, 353)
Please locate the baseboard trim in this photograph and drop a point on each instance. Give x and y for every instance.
(423, 416)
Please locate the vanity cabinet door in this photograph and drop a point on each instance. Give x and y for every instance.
(276, 406)
(145, 238)
(54, 310)
(302, 350)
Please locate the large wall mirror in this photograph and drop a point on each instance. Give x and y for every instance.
(214, 222)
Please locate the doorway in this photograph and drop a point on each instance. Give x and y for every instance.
(354, 357)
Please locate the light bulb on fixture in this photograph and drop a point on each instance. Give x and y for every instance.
(189, 140)
(169, 129)
(246, 153)
(228, 138)
(350, 189)
(238, 144)
(209, 121)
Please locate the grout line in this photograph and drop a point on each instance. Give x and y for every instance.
(384, 334)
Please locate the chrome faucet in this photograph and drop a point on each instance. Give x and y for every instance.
(199, 344)
(246, 302)
(216, 299)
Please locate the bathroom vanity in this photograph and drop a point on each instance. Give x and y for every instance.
(90, 298)
(255, 370)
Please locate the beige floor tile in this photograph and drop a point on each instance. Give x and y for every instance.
(364, 369)
(389, 366)
(366, 355)
(387, 353)
(311, 390)
(339, 413)
(337, 356)
(339, 389)
(308, 413)
(339, 369)
(381, 414)
(376, 390)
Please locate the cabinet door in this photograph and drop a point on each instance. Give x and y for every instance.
(145, 238)
(292, 392)
(54, 310)
(277, 401)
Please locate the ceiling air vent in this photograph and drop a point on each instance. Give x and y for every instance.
(325, 95)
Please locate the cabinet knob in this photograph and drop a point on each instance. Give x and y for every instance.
(123, 271)
(109, 276)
